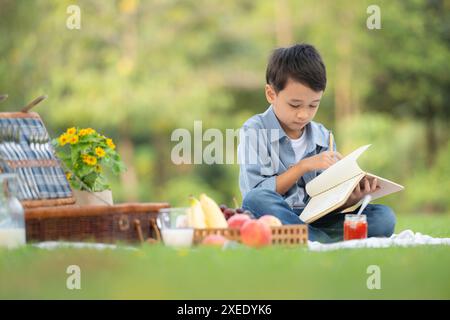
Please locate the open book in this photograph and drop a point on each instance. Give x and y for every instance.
(331, 189)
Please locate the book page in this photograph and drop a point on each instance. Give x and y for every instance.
(343, 170)
(386, 187)
(328, 201)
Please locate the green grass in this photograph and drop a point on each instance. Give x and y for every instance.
(156, 272)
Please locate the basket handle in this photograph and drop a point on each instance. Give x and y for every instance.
(155, 228)
(33, 103)
(137, 225)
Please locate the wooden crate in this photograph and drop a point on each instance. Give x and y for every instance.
(295, 234)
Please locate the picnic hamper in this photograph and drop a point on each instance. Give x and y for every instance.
(127, 222)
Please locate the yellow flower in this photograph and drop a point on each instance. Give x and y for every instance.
(71, 131)
(100, 152)
(90, 131)
(68, 175)
(63, 139)
(85, 158)
(74, 139)
(110, 143)
(93, 161)
(98, 169)
(89, 160)
(83, 132)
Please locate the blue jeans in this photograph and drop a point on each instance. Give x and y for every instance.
(330, 228)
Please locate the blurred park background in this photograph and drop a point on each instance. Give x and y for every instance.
(137, 70)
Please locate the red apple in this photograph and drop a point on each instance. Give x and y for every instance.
(255, 233)
(214, 240)
(238, 220)
(271, 220)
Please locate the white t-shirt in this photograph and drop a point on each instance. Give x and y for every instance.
(299, 146)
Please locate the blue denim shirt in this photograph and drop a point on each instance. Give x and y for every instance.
(271, 154)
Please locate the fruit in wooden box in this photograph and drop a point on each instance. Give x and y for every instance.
(238, 220)
(214, 240)
(255, 233)
(213, 215)
(271, 220)
(195, 215)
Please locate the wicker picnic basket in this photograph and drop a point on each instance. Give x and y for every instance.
(127, 222)
(46, 195)
(285, 235)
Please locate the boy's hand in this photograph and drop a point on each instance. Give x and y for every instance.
(365, 186)
(321, 161)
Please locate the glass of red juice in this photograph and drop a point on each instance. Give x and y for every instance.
(355, 226)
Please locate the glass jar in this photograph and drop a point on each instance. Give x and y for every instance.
(173, 225)
(12, 220)
(355, 226)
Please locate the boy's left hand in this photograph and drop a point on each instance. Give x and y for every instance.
(365, 186)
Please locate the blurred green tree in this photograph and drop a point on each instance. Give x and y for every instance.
(410, 68)
(137, 70)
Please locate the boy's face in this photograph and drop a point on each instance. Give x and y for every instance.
(295, 106)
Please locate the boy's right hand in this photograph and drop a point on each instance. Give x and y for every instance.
(321, 161)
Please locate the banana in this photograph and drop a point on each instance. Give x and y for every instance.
(213, 215)
(195, 215)
(189, 218)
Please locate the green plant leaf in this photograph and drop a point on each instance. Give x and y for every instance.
(75, 184)
(101, 184)
(62, 155)
(85, 170)
(89, 179)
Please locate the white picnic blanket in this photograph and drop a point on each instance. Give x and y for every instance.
(406, 238)
(51, 245)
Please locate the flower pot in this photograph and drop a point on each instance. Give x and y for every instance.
(93, 198)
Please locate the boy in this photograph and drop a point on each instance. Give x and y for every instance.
(282, 149)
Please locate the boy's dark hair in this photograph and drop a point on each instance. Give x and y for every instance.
(300, 62)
